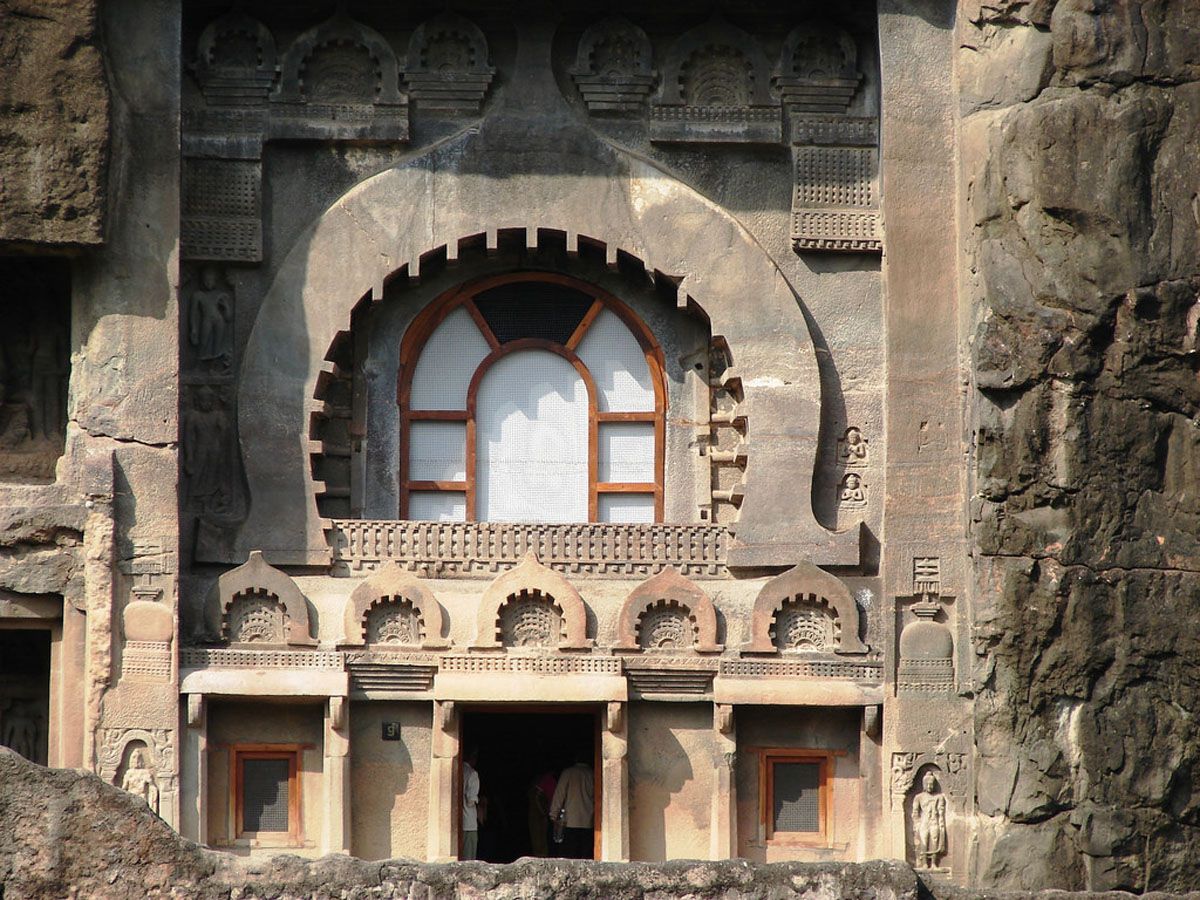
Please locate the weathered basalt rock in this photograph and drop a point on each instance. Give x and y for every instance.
(1087, 284)
(54, 116)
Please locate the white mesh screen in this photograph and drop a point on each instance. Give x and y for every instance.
(618, 364)
(436, 506)
(437, 451)
(532, 440)
(626, 452)
(626, 508)
(448, 360)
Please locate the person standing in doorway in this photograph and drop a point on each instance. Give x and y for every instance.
(574, 800)
(474, 808)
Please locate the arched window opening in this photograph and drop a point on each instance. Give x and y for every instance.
(531, 397)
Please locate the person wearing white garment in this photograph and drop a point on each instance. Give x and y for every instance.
(474, 808)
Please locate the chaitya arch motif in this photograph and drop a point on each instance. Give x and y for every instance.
(260, 582)
(668, 592)
(528, 587)
(810, 585)
(387, 591)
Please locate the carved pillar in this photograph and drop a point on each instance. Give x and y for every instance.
(336, 836)
(723, 827)
(614, 786)
(442, 843)
(193, 813)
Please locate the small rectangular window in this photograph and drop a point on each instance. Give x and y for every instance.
(795, 793)
(265, 784)
(267, 793)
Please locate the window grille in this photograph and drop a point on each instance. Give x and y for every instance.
(797, 796)
(532, 309)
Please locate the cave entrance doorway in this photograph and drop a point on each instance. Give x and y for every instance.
(25, 692)
(518, 747)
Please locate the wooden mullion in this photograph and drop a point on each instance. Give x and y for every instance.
(626, 487)
(437, 415)
(481, 323)
(585, 323)
(457, 487)
(648, 415)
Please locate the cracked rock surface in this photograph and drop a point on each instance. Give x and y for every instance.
(1083, 237)
(54, 118)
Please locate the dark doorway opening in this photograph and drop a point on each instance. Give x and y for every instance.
(25, 692)
(517, 750)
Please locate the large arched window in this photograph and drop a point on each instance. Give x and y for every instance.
(531, 397)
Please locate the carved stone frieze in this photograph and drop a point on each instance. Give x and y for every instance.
(835, 204)
(481, 549)
(869, 671)
(221, 218)
(448, 66)
(614, 67)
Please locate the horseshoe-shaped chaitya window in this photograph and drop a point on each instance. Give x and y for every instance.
(531, 397)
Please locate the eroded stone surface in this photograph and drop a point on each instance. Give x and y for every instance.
(1083, 234)
(53, 123)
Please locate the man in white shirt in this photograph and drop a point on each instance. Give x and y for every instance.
(473, 809)
(574, 799)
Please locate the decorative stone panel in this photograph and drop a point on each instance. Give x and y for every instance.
(817, 70)
(379, 603)
(715, 88)
(466, 549)
(526, 584)
(808, 584)
(448, 67)
(222, 210)
(339, 81)
(614, 67)
(670, 602)
(235, 61)
(256, 579)
(835, 204)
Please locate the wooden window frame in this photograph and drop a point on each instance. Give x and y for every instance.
(238, 754)
(768, 757)
(463, 296)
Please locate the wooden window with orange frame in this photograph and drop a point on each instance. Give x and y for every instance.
(258, 773)
(795, 793)
(463, 297)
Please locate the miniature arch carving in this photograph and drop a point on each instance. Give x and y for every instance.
(531, 576)
(802, 581)
(389, 582)
(453, 25)
(341, 29)
(670, 586)
(233, 24)
(637, 56)
(716, 33)
(257, 576)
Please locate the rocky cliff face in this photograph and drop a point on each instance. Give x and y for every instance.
(1082, 229)
(54, 114)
